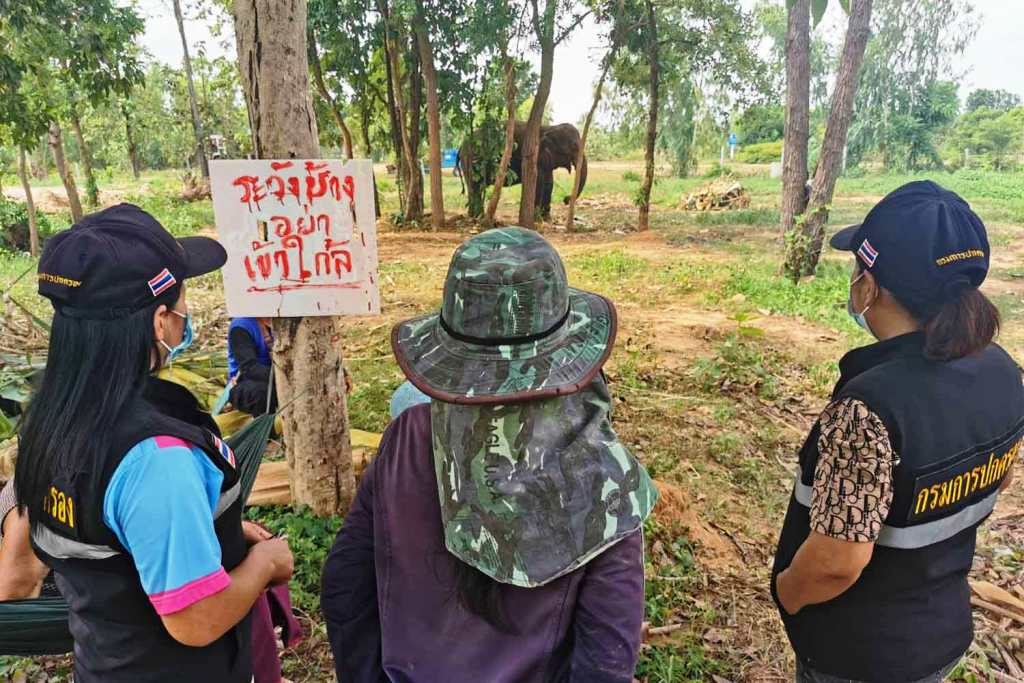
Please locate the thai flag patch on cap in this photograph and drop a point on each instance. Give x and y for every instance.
(868, 253)
(162, 282)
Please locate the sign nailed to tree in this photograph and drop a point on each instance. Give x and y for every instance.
(300, 235)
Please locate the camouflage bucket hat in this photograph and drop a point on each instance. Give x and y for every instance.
(532, 491)
(510, 328)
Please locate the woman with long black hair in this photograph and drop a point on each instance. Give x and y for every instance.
(132, 498)
(497, 535)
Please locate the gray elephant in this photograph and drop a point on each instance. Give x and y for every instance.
(559, 147)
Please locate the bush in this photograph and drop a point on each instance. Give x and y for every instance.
(310, 539)
(761, 153)
(631, 177)
(717, 171)
(14, 225)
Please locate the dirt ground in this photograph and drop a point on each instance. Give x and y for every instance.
(694, 441)
(714, 392)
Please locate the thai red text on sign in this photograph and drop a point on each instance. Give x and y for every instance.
(300, 236)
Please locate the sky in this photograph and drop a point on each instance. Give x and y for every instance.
(988, 61)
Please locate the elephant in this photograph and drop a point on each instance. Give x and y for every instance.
(559, 146)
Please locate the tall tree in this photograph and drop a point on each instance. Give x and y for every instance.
(426, 52)
(615, 41)
(350, 48)
(272, 57)
(509, 68)
(321, 87)
(30, 204)
(914, 45)
(551, 26)
(129, 134)
(654, 104)
(84, 156)
(56, 142)
(197, 123)
(669, 45)
(803, 249)
(797, 128)
(406, 110)
(1002, 100)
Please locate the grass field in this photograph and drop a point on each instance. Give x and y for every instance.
(720, 368)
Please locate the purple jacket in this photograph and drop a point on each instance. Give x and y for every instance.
(389, 601)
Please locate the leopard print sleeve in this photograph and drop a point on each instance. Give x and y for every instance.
(852, 489)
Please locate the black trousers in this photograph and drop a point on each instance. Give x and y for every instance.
(250, 396)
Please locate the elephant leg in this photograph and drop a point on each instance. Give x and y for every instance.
(545, 186)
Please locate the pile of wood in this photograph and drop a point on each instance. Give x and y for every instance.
(194, 187)
(716, 196)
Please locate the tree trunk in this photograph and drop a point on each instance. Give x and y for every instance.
(133, 148)
(396, 126)
(41, 164)
(30, 204)
(413, 200)
(433, 120)
(364, 122)
(643, 221)
(197, 124)
(812, 234)
(414, 165)
(56, 141)
(510, 139)
(307, 354)
(321, 87)
(544, 28)
(609, 59)
(92, 191)
(798, 88)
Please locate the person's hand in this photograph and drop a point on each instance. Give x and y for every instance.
(278, 556)
(254, 533)
(782, 590)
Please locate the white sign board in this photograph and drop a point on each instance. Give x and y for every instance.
(300, 235)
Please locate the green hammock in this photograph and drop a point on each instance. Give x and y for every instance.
(40, 626)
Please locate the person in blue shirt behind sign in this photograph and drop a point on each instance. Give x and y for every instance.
(250, 363)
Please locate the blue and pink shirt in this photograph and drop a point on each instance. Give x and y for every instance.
(160, 504)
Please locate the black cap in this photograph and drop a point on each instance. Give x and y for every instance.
(118, 261)
(923, 244)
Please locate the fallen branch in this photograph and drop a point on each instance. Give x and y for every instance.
(996, 609)
(664, 630)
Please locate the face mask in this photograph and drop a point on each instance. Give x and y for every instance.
(858, 317)
(186, 339)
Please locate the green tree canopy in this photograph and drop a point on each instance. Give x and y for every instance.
(1001, 100)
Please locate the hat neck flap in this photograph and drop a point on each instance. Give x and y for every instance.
(532, 491)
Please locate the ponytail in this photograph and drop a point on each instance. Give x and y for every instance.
(964, 325)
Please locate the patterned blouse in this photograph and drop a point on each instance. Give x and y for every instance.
(8, 502)
(852, 489)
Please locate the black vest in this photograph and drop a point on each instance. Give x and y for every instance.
(119, 638)
(956, 428)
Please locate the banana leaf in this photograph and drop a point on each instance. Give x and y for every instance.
(40, 626)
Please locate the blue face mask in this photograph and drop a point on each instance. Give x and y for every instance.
(858, 317)
(186, 339)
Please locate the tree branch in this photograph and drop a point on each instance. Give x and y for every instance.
(572, 27)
